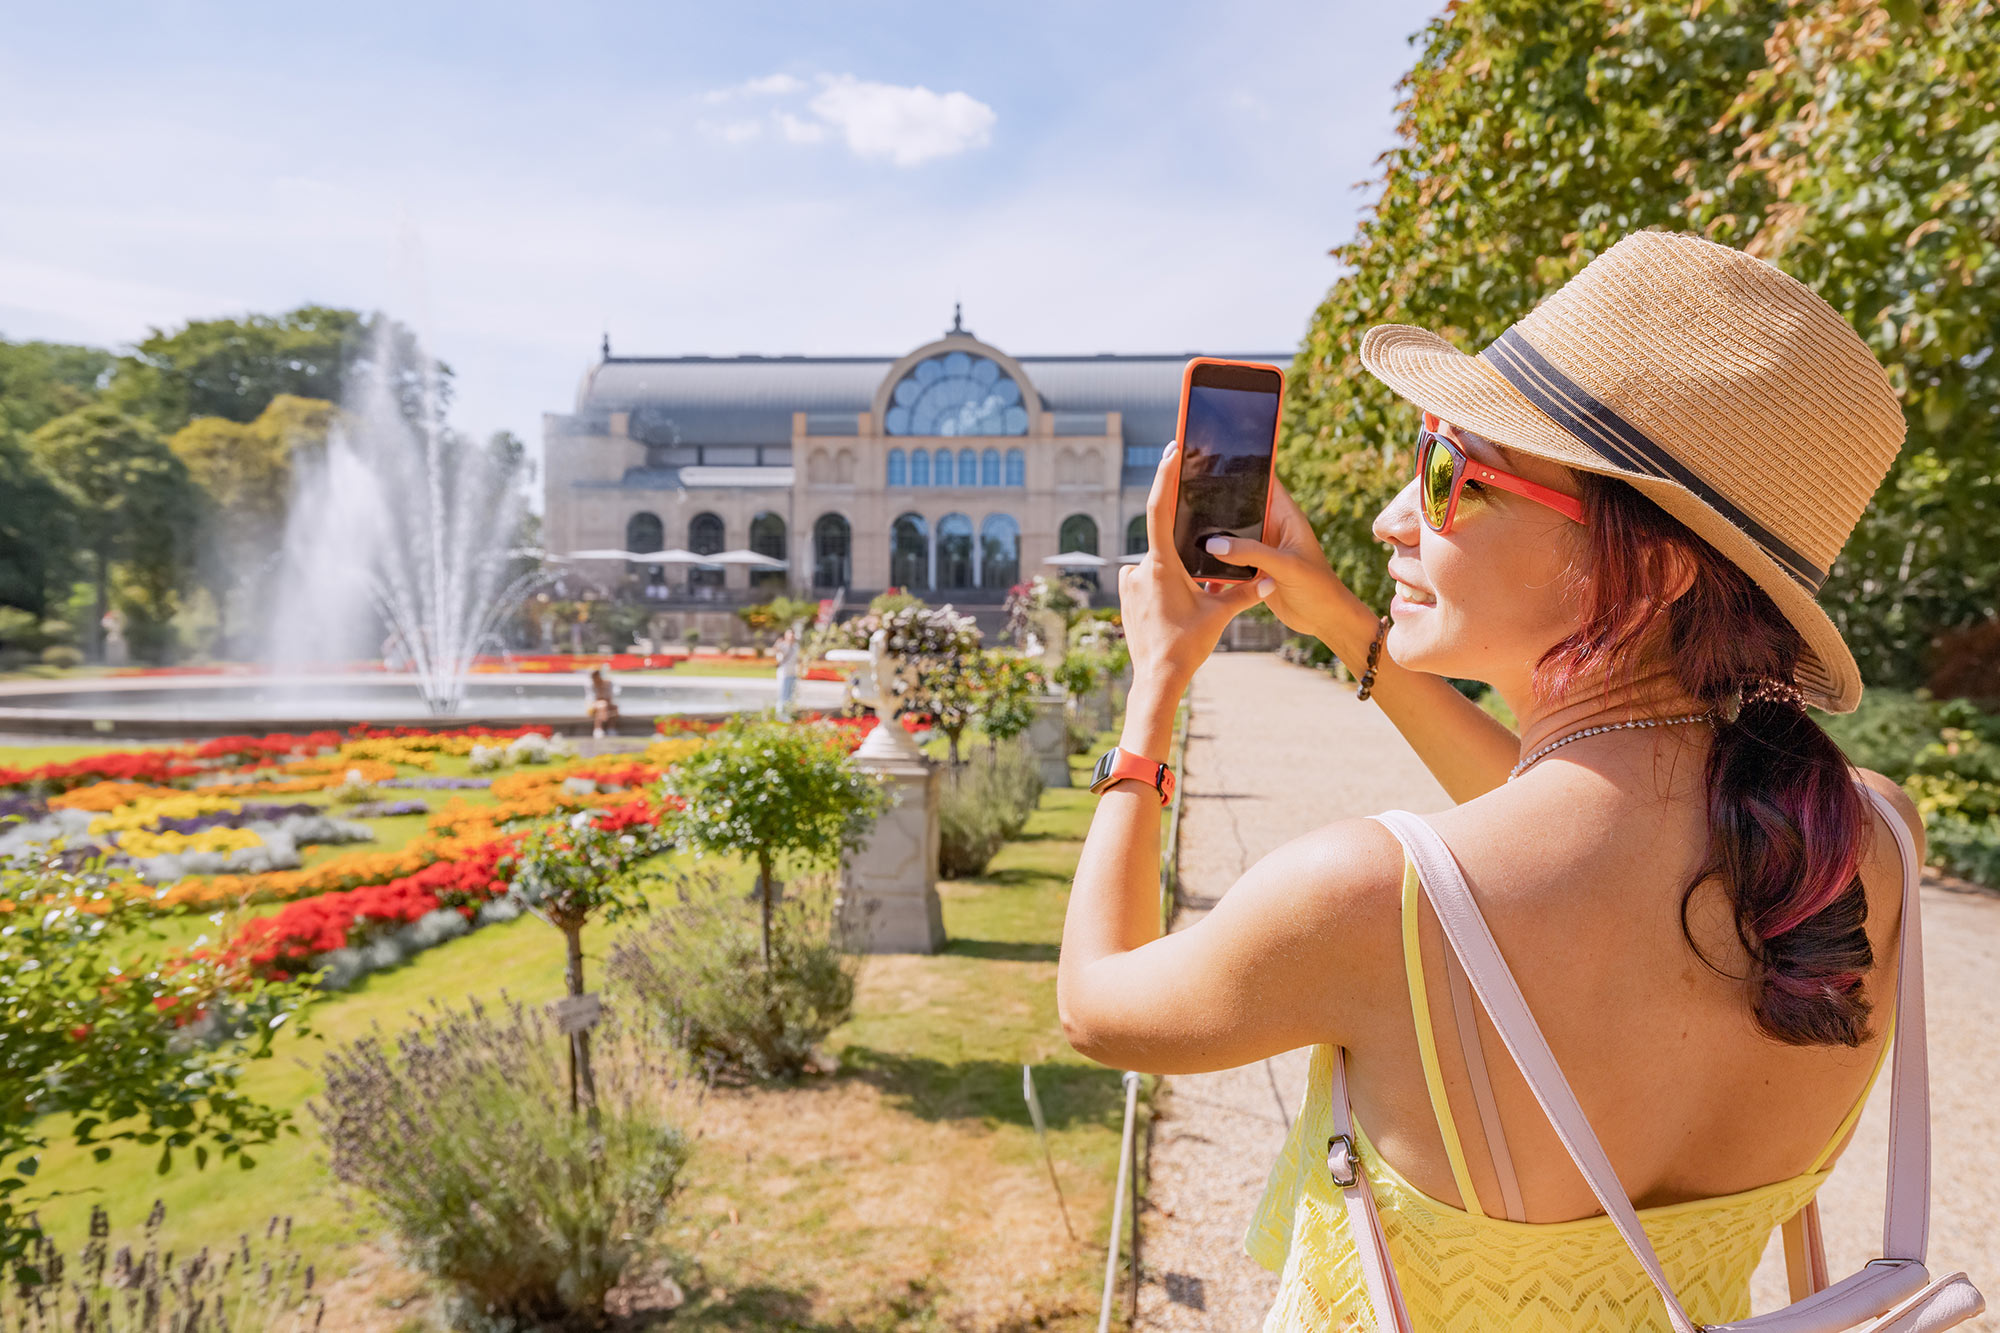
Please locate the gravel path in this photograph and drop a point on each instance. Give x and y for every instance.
(1275, 750)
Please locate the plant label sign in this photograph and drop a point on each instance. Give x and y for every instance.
(578, 1013)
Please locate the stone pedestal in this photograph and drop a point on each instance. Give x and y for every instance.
(1048, 740)
(889, 899)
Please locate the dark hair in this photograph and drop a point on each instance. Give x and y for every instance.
(1785, 825)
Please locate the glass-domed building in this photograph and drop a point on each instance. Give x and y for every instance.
(953, 471)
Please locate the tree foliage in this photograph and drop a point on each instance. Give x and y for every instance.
(1536, 133)
(40, 381)
(35, 530)
(233, 367)
(133, 501)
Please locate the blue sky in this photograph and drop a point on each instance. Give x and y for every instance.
(720, 178)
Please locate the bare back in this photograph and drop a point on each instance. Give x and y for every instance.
(1582, 886)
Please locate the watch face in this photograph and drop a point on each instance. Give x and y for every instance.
(1103, 770)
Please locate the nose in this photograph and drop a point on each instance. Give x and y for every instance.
(1398, 524)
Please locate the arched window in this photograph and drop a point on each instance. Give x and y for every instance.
(989, 468)
(956, 394)
(920, 467)
(898, 468)
(999, 551)
(1135, 535)
(1017, 468)
(767, 537)
(644, 532)
(1078, 533)
(968, 467)
(705, 538)
(705, 534)
(954, 552)
(943, 475)
(830, 547)
(910, 553)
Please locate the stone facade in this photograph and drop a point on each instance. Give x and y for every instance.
(788, 453)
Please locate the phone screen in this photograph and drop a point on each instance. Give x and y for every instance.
(1231, 428)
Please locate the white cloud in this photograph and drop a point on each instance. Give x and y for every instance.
(796, 130)
(908, 126)
(769, 85)
(732, 131)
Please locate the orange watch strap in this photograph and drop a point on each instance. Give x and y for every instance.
(1120, 765)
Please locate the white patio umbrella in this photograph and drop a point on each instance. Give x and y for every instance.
(674, 556)
(604, 553)
(1077, 560)
(753, 559)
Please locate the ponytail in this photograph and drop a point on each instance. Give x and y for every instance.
(1785, 824)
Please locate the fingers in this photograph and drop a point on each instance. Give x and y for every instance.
(1160, 502)
(1240, 597)
(1244, 551)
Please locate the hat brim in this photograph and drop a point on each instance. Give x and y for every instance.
(1466, 391)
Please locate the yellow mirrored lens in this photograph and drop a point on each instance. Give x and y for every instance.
(1435, 487)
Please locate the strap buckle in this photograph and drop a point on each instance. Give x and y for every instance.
(1343, 1161)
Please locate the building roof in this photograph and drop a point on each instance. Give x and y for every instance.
(750, 399)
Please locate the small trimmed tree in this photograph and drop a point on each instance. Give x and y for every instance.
(785, 795)
(587, 868)
(143, 1052)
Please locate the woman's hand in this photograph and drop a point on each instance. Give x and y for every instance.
(1300, 587)
(1172, 623)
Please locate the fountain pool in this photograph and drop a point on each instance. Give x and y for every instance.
(176, 706)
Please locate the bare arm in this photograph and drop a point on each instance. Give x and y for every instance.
(1253, 978)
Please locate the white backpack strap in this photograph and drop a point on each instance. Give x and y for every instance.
(1494, 983)
(1906, 1222)
(1364, 1223)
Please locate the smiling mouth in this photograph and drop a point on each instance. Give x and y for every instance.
(1414, 596)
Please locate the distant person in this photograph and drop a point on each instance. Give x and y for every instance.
(1620, 514)
(788, 669)
(603, 702)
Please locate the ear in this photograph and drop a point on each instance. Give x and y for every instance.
(1677, 567)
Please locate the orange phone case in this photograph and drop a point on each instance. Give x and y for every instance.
(1270, 478)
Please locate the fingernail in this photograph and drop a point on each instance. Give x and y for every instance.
(1218, 546)
(1265, 587)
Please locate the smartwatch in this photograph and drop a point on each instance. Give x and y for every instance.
(1116, 765)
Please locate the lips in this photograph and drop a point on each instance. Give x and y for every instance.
(1414, 594)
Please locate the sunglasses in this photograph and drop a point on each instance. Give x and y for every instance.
(1443, 469)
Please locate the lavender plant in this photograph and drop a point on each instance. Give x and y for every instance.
(250, 1287)
(458, 1135)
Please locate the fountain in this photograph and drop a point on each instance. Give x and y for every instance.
(401, 523)
(396, 549)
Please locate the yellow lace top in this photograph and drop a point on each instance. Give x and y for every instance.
(1462, 1269)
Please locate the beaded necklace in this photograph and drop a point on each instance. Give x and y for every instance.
(1536, 756)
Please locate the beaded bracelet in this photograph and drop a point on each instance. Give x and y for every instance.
(1374, 659)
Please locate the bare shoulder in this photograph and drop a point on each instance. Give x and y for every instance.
(1900, 800)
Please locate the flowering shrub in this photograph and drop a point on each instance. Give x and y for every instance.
(146, 812)
(155, 768)
(109, 796)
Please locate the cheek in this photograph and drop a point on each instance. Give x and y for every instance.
(1498, 600)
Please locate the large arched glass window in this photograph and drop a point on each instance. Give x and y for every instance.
(989, 468)
(644, 532)
(920, 467)
(910, 553)
(1135, 535)
(943, 475)
(968, 467)
(705, 538)
(1078, 533)
(1017, 468)
(956, 394)
(999, 551)
(898, 468)
(767, 537)
(954, 552)
(830, 547)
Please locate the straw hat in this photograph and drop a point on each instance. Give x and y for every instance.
(1728, 393)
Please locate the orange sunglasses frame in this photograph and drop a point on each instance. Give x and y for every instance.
(1466, 468)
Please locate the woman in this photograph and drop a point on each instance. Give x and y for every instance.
(1622, 513)
(603, 703)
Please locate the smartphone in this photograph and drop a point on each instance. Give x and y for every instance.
(1229, 447)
